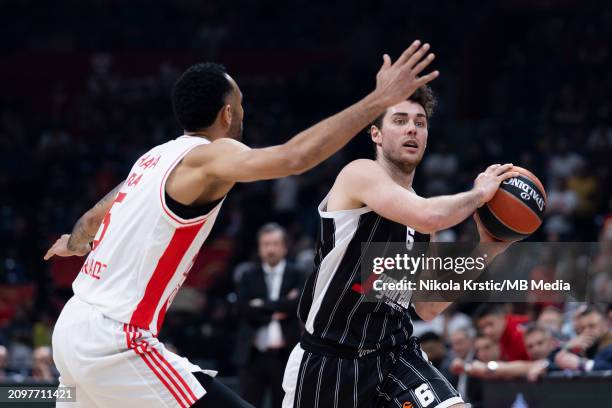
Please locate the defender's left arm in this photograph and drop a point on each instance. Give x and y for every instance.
(78, 241)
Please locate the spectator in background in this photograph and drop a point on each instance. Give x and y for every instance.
(268, 296)
(591, 350)
(433, 345)
(462, 347)
(551, 319)
(503, 328)
(540, 344)
(43, 369)
(486, 349)
(4, 373)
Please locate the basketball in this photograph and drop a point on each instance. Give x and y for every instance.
(517, 209)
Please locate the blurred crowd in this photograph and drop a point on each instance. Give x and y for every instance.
(525, 82)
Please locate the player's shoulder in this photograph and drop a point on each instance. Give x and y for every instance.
(360, 169)
(215, 149)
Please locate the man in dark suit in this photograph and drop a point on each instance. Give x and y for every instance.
(268, 296)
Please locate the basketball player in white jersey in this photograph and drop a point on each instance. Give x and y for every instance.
(143, 236)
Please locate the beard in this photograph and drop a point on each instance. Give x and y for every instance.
(406, 164)
(235, 131)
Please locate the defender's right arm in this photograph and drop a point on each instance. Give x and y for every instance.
(232, 161)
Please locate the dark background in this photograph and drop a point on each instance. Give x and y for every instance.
(85, 91)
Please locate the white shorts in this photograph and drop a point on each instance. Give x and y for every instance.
(116, 365)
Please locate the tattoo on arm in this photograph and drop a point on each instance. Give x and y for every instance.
(86, 227)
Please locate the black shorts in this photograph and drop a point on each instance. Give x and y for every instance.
(401, 377)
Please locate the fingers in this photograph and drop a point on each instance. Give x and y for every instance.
(386, 61)
(427, 78)
(423, 64)
(408, 52)
(508, 175)
(416, 57)
(49, 253)
(502, 169)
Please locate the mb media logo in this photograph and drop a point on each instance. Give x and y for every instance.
(407, 405)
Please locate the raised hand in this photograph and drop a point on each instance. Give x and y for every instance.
(396, 82)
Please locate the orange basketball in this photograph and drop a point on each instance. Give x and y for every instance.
(517, 209)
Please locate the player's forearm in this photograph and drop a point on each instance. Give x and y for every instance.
(86, 227)
(83, 232)
(317, 143)
(448, 211)
(429, 310)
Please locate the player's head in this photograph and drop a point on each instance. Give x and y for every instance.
(491, 320)
(400, 133)
(206, 98)
(272, 243)
(591, 322)
(538, 342)
(486, 349)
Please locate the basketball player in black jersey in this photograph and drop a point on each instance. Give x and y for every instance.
(356, 353)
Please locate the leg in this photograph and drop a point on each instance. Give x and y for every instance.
(252, 381)
(277, 367)
(415, 383)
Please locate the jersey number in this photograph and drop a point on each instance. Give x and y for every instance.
(106, 222)
(424, 395)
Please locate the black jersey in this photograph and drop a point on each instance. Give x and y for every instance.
(332, 307)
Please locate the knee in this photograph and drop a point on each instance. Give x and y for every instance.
(460, 405)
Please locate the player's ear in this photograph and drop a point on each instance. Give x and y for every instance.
(227, 114)
(375, 134)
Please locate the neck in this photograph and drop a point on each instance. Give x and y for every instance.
(401, 173)
(207, 133)
(272, 265)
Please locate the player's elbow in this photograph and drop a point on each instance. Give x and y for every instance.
(431, 221)
(426, 312)
(294, 162)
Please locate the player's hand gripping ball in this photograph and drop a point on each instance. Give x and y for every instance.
(517, 209)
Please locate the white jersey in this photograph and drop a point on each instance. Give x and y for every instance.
(142, 252)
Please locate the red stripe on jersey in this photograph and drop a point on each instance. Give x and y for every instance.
(164, 271)
(162, 315)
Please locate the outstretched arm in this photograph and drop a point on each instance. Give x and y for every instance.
(78, 242)
(365, 182)
(232, 161)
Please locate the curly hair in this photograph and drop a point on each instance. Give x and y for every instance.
(424, 96)
(199, 94)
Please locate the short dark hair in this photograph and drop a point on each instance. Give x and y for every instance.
(430, 336)
(424, 96)
(487, 309)
(199, 94)
(587, 310)
(272, 227)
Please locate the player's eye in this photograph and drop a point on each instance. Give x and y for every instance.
(420, 123)
(400, 121)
